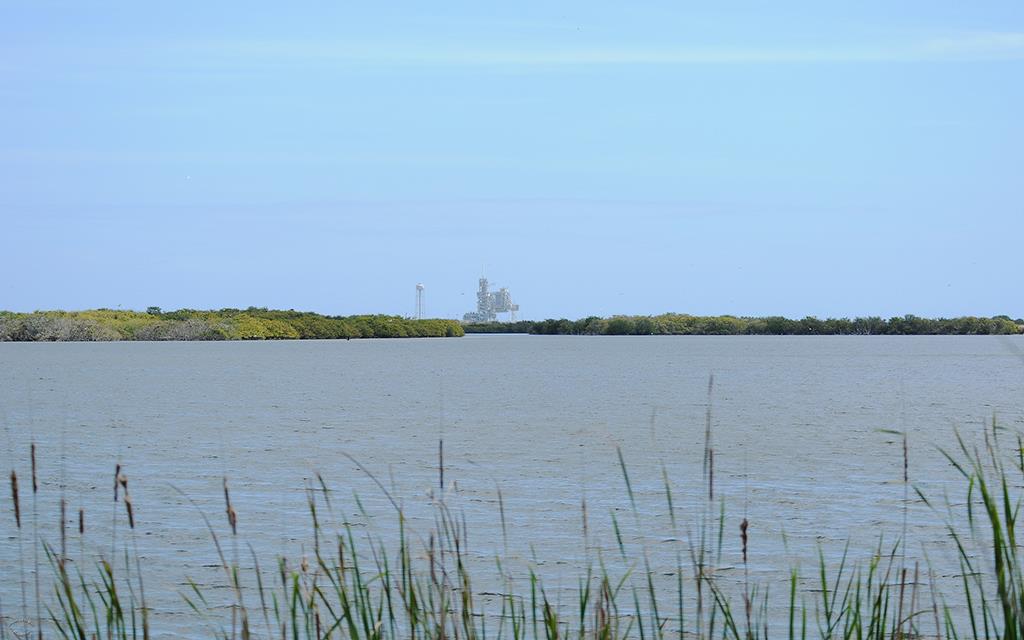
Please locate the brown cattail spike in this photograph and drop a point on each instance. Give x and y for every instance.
(117, 477)
(743, 537)
(81, 522)
(711, 474)
(14, 497)
(63, 532)
(128, 508)
(906, 461)
(230, 510)
(35, 477)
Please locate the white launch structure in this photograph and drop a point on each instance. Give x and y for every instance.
(419, 300)
(490, 303)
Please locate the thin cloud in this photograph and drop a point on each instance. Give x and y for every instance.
(970, 46)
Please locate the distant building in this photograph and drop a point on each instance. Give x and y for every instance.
(490, 303)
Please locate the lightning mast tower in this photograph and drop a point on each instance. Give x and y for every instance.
(419, 300)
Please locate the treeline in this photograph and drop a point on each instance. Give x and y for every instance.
(682, 324)
(253, 323)
(520, 326)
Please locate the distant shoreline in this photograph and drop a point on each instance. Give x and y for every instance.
(257, 323)
(254, 323)
(675, 324)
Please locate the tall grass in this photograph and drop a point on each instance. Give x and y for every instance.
(354, 584)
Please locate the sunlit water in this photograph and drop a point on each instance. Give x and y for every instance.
(797, 432)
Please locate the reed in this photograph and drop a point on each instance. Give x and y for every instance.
(35, 538)
(16, 501)
(352, 583)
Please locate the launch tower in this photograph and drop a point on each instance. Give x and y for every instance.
(490, 303)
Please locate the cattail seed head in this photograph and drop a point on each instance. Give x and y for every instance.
(232, 514)
(63, 531)
(906, 461)
(743, 537)
(14, 497)
(35, 477)
(81, 522)
(117, 476)
(128, 508)
(711, 474)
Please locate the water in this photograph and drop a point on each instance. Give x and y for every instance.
(796, 430)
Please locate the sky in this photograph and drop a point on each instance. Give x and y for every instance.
(785, 158)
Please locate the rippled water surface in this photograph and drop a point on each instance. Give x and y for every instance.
(796, 429)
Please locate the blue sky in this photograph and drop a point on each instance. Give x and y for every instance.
(753, 159)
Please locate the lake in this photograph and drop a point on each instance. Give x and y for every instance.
(798, 433)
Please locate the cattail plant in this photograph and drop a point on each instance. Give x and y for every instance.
(35, 540)
(230, 510)
(113, 513)
(423, 588)
(14, 499)
(35, 476)
(81, 540)
(63, 531)
(127, 499)
(747, 605)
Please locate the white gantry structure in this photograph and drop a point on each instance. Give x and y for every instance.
(490, 303)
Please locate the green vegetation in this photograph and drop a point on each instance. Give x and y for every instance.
(226, 324)
(352, 584)
(520, 326)
(268, 324)
(678, 324)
